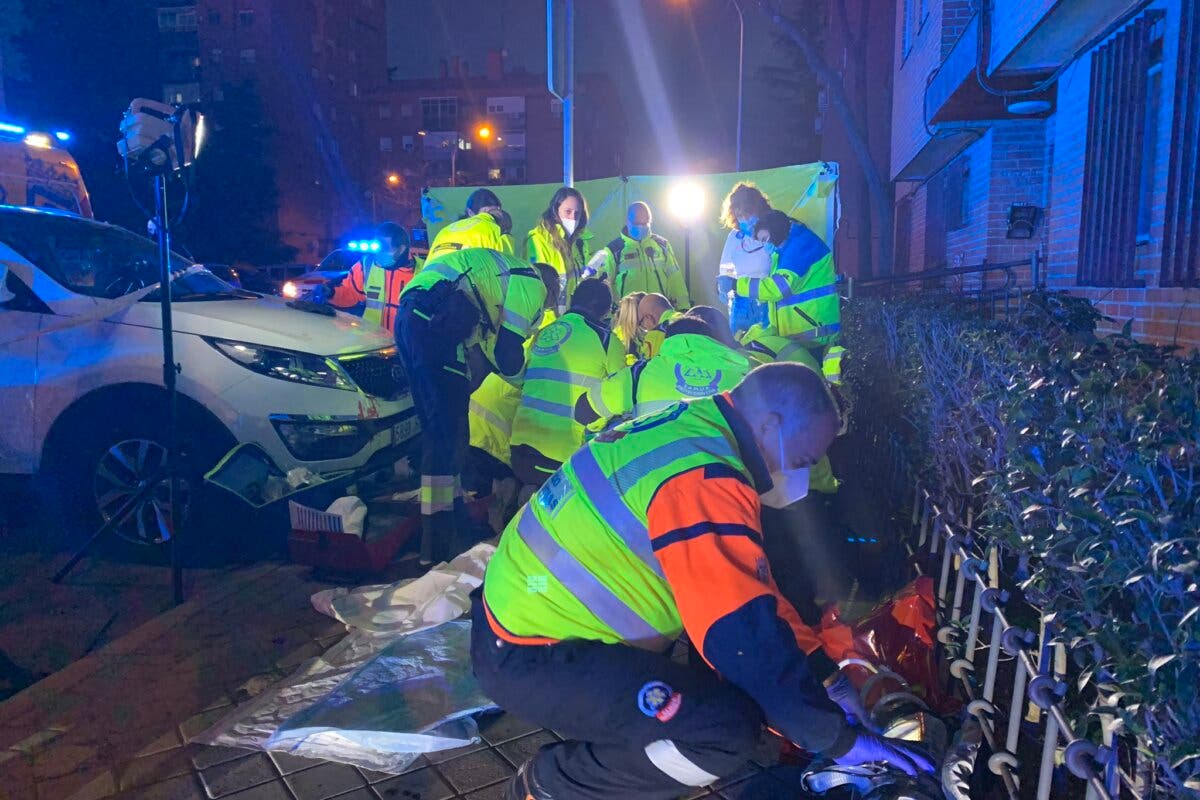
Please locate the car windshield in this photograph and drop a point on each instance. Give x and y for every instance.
(101, 260)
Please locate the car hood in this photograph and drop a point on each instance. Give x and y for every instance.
(265, 321)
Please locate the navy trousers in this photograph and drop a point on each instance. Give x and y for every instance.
(638, 724)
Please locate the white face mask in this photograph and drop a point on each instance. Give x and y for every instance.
(569, 225)
(788, 485)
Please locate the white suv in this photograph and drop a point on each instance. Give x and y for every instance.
(81, 387)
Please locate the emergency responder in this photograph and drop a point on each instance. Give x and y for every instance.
(653, 312)
(650, 531)
(473, 306)
(801, 289)
(569, 356)
(562, 240)
(743, 255)
(640, 260)
(490, 415)
(490, 228)
(692, 363)
(376, 280)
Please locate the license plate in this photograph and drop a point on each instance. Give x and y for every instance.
(404, 430)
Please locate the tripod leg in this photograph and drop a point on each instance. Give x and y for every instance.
(144, 491)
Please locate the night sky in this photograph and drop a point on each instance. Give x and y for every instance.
(693, 44)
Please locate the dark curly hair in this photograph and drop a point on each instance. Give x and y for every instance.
(744, 199)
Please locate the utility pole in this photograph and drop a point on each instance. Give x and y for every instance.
(566, 92)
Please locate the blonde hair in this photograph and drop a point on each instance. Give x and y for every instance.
(626, 325)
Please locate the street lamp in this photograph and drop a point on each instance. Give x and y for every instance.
(484, 132)
(737, 159)
(686, 201)
(393, 179)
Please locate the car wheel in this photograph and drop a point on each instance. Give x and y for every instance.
(106, 454)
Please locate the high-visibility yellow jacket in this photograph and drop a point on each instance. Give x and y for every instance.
(801, 291)
(688, 365)
(508, 292)
(490, 414)
(567, 358)
(477, 231)
(646, 266)
(653, 529)
(539, 248)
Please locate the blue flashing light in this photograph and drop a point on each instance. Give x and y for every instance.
(374, 247)
(353, 246)
(6, 127)
(62, 136)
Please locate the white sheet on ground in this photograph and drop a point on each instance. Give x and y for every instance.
(435, 718)
(440, 595)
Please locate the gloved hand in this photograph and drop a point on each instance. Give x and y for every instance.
(871, 748)
(725, 285)
(842, 692)
(320, 293)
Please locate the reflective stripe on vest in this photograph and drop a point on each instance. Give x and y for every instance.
(645, 408)
(819, 332)
(811, 294)
(548, 407)
(585, 586)
(560, 376)
(492, 418)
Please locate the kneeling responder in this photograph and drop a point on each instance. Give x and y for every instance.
(649, 531)
(373, 285)
(639, 260)
(475, 304)
(654, 311)
(692, 363)
(568, 357)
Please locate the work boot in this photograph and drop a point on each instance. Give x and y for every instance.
(524, 786)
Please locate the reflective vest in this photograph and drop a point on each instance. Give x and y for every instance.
(645, 266)
(477, 231)
(576, 562)
(652, 340)
(508, 292)
(374, 289)
(801, 291)
(567, 358)
(689, 365)
(831, 363)
(539, 248)
(765, 347)
(490, 414)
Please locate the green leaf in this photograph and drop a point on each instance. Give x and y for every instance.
(1158, 662)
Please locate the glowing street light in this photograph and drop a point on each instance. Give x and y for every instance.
(484, 132)
(686, 201)
(393, 179)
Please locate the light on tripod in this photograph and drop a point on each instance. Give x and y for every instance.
(160, 137)
(38, 140)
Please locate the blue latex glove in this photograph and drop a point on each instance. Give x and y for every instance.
(842, 692)
(320, 293)
(871, 748)
(725, 285)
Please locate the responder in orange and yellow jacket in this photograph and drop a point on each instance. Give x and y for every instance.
(650, 531)
(374, 283)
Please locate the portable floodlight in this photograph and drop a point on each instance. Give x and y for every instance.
(160, 137)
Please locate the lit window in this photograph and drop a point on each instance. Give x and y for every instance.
(249, 56)
(177, 18)
(246, 17)
(494, 174)
(385, 144)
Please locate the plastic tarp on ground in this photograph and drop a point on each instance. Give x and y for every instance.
(807, 192)
(398, 686)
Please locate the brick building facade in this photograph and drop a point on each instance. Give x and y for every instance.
(1082, 117)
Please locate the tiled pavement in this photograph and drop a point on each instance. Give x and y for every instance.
(117, 723)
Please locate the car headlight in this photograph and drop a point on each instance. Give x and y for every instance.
(286, 365)
(290, 290)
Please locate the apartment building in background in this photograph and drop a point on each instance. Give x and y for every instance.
(1065, 128)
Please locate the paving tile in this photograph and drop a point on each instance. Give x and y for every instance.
(207, 755)
(503, 727)
(518, 751)
(197, 724)
(156, 767)
(439, 756)
(254, 686)
(36, 740)
(97, 787)
(167, 741)
(299, 655)
(182, 788)
(493, 792)
(288, 763)
(422, 784)
(242, 773)
(325, 780)
(475, 770)
(358, 794)
(374, 776)
(275, 790)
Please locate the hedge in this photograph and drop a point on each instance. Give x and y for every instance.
(1079, 455)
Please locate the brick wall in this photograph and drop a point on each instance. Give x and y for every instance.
(1162, 315)
(955, 16)
(1012, 21)
(908, 90)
